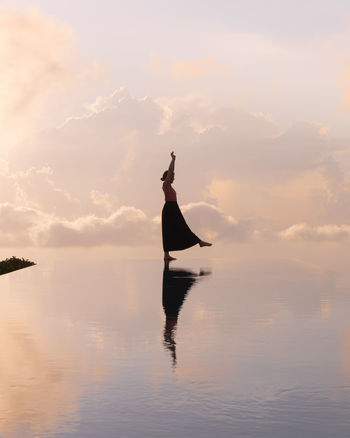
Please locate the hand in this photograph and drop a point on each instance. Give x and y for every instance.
(173, 155)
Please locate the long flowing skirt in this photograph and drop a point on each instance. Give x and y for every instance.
(175, 232)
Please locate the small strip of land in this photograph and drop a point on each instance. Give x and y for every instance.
(13, 264)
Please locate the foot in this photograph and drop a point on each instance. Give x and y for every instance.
(202, 243)
(168, 258)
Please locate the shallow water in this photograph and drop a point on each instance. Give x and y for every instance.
(207, 348)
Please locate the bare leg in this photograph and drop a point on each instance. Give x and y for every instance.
(168, 257)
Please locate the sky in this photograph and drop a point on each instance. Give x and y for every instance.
(254, 98)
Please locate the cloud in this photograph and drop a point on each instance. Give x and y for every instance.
(18, 225)
(305, 232)
(122, 146)
(112, 149)
(210, 222)
(127, 226)
(21, 226)
(35, 54)
(36, 188)
(42, 71)
(107, 201)
(240, 163)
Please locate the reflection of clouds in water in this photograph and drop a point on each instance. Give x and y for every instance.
(254, 307)
(325, 308)
(262, 288)
(45, 362)
(87, 323)
(115, 293)
(345, 354)
(67, 323)
(38, 387)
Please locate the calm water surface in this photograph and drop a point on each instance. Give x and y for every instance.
(213, 348)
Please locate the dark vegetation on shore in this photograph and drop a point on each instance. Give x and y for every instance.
(13, 264)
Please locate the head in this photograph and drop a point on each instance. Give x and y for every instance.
(165, 174)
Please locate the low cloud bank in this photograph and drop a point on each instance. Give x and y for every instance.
(130, 226)
(305, 232)
(127, 226)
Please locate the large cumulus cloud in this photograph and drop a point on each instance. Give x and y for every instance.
(122, 146)
(236, 170)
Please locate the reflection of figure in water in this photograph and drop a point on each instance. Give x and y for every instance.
(176, 284)
(176, 233)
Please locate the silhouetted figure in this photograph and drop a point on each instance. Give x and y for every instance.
(176, 233)
(176, 284)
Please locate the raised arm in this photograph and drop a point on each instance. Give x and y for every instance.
(171, 169)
